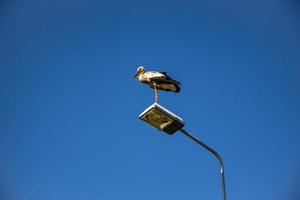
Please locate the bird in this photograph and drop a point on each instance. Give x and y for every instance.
(157, 81)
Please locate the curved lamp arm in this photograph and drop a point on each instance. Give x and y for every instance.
(211, 150)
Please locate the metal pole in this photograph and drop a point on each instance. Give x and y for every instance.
(211, 150)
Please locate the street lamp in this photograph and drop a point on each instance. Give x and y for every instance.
(165, 120)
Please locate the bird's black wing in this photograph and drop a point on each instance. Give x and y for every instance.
(168, 77)
(166, 80)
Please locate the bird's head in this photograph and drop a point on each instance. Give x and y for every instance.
(139, 71)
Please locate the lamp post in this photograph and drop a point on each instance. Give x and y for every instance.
(165, 120)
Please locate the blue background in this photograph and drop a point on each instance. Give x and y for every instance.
(69, 125)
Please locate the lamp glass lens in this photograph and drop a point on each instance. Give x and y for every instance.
(156, 118)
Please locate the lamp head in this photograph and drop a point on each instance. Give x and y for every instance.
(162, 119)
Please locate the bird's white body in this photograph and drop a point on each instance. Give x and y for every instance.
(147, 76)
(157, 81)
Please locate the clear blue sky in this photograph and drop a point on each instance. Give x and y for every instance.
(69, 127)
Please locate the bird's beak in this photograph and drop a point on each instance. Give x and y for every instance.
(135, 75)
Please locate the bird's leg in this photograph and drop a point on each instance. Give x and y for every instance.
(155, 92)
(156, 95)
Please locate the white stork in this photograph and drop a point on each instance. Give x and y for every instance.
(157, 80)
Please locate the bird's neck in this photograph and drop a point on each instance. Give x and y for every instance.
(141, 74)
(141, 77)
